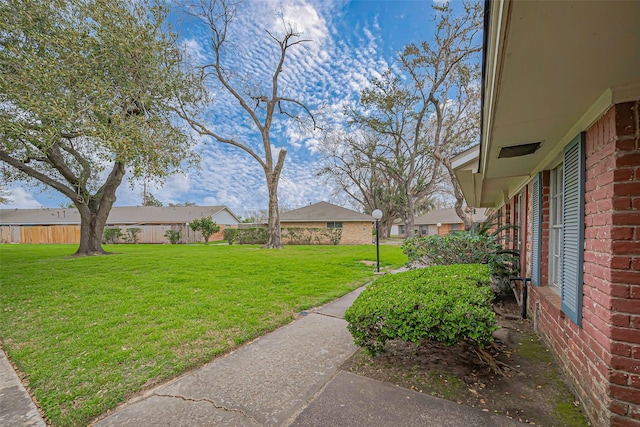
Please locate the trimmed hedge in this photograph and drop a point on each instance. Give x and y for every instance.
(311, 235)
(455, 248)
(290, 235)
(252, 236)
(445, 304)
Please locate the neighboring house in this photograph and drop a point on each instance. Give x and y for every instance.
(356, 227)
(559, 156)
(440, 221)
(62, 225)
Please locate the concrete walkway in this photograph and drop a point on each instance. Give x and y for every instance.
(16, 406)
(291, 377)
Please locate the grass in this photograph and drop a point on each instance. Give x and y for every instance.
(89, 332)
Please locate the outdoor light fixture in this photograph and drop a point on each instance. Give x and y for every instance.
(377, 215)
(438, 225)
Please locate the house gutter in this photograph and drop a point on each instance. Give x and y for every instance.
(485, 43)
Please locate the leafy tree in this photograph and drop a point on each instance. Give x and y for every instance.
(150, 200)
(394, 112)
(261, 102)
(4, 196)
(87, 89)
(206, 226)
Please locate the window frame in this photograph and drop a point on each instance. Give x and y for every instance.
(556, 191)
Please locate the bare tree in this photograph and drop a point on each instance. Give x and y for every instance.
(421, 112)
(260, 106)
(446, 78)
(350, 163)
(394, 111)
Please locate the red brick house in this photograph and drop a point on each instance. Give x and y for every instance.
(560, 156)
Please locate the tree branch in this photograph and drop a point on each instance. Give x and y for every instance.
(45, 179)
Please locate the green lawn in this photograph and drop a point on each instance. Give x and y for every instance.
(89, 332)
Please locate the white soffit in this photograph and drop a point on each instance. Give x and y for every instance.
(552, 69)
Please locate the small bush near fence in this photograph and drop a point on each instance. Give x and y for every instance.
(132, 235)
(112, 235)
(444, 304)
(230, 235)
(173, 236)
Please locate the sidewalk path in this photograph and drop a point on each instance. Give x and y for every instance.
(16, 406)
(291, 377)
(264, 383)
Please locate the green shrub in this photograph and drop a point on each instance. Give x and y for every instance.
(230, 235)
(252, 236)
(173, 236)
(132, 234)
(445, 304)
(112, 235)
(456, 248)
(308, 235)
(480, 245)
(206, 226)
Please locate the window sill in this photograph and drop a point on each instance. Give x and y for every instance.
(550, 297)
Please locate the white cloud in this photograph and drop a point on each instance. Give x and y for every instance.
(19, 198)
(344, 53)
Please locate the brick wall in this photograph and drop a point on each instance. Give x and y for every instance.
(353, 233)
(602, 358)
(617, 203)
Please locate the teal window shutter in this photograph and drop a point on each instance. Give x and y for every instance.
(573, 228)
(536, 229)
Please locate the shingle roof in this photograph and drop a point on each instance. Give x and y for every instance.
(323, 211)
(118, 215)
(447, 216)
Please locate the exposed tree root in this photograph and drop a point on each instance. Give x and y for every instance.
(498, 367)
(506, 315)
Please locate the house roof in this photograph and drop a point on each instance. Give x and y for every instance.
(323, 211)
(118, 215)
(550, 70)
(447, 216)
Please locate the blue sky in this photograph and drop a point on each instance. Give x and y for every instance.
(352, 41)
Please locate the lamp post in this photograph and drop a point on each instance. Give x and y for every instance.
(438, 225)
(377, 215)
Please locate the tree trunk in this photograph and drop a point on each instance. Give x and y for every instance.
(410, 216)
(94, 211)
(385, 228)
(275, 233)
(91, 230)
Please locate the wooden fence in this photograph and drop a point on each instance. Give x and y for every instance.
(43, 234)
